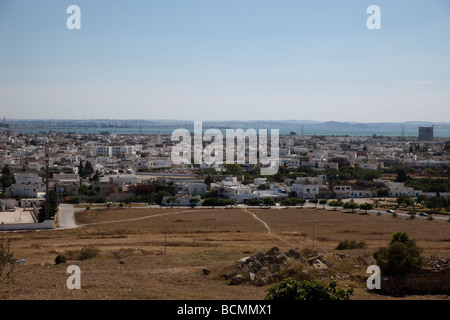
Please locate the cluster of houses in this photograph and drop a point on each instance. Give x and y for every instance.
(126, 165)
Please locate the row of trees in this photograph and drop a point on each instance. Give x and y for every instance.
(432, 203)
(333, 203)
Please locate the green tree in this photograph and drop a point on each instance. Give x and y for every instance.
(323, 202)
(171, 201)
(254, 202)
(194, 201)
(383, 193)
(229, 202)
(434, 203)
(366, 206)
(403, 200)
(336, 203)
(315, 201)
(211, 202)
(401, 175)
(233, 169)
(7, 177)
(351, 205)
(421, 199)
(291, 289)
(301, 202)
(53, 206)
(208, 181)
(269, 201)
(400, 257)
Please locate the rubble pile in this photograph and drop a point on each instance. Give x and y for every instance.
(262, 269)
(436, 263)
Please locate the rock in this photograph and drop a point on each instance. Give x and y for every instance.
(259, 256)
(243, 260)
(237, 279)
(319, 265)
(293, 254)
(229, 275)
(262, 281)
(21, 261)
(310, 260)
(206, 271)
(281, 259)
(273, 252)
(251, 276)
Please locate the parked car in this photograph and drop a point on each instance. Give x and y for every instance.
(390, 211)
(423, 214)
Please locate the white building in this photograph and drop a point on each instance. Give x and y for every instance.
(159, 163)
(26, 185)
(191, 187)
(108, 151)
(239, 193)
(398, 188)
(306, 190)
(343, 191)
(259, 181)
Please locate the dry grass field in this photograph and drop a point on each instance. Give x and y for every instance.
(135, 263)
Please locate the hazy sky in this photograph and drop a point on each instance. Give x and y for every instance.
(226, 60)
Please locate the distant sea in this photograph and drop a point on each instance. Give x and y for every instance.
(305, 130)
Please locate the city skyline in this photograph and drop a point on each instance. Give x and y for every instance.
(234, 60)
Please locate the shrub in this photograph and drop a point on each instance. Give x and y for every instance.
(89, 252)
(269, 201)
(253, 202)
(6, 261)
(290, 289)
(60, 258)
(346, 244)
(400, 257)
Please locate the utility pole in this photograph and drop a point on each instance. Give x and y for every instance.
(47, 200)
(314, 223)
(165, 236)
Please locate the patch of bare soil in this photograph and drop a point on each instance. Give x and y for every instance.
(162, 253)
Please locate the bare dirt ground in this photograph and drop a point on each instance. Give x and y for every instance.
(132, 242)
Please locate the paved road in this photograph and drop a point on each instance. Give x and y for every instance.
(66, 216)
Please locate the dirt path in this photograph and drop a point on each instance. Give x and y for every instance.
(269, 231)
(140, 218)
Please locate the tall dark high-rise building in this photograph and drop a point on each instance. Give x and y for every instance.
(426, 133)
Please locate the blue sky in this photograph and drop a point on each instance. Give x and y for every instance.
(226, 60)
